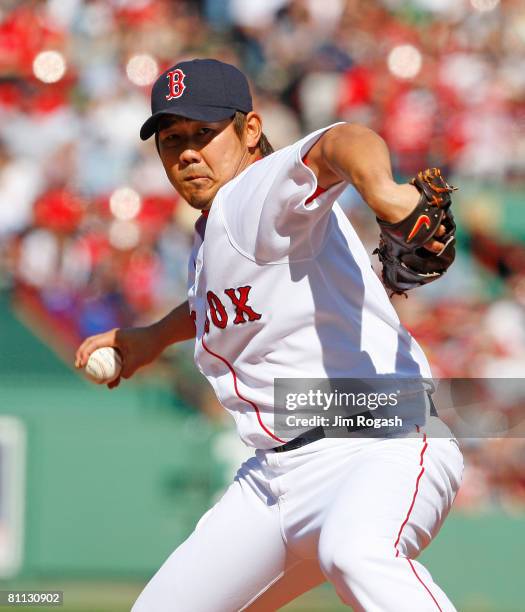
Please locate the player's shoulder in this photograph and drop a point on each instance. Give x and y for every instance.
(277, 163)
(264, 166)
(253, 179)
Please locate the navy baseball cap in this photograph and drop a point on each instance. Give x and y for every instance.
(201, 89)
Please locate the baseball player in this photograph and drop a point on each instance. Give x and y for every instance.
(280, 286)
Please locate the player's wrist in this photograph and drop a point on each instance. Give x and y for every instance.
(158, 335)
(392, 202)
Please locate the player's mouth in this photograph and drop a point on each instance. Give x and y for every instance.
(196, 178)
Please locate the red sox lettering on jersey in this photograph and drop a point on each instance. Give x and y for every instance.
(239, 298)
(219, 314)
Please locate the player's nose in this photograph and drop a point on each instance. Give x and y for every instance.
(190, 156)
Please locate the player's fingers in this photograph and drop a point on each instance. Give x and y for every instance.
(438, 246)
(83, 352)
(86, 349)
(114, 383)
(441, 231)
(434, 246)
(127, 370)
(91, 344)
(79, 353)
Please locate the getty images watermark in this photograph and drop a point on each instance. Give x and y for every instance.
(349, 407)
(315, 399)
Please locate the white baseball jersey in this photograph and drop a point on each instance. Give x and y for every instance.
(281, 286)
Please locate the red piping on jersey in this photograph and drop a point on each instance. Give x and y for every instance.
(422, 471)
(244, 399)
(426, 588)
(425, 446)
(318, 191)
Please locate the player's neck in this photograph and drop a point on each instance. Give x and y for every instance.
(246, 160)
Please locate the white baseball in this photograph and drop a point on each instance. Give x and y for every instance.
(104, 365)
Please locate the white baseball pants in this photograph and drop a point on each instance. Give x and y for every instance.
(356, 512)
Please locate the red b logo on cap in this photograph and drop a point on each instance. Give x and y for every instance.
(176, 84)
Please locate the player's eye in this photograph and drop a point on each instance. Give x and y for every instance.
(170, 138)
(204, 131)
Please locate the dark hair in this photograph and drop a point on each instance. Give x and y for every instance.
(239, 121)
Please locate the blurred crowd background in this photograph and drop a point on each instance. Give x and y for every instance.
(92, 236)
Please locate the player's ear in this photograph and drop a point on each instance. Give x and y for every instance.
(253, 130)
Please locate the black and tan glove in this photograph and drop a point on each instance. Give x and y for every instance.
(406, 262)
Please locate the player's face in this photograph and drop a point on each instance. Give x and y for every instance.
(200, 156)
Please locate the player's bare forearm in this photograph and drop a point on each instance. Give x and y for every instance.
(358, 155)
(176, 326)
(140, 345)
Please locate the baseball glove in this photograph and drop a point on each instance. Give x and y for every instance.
(406, 262)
